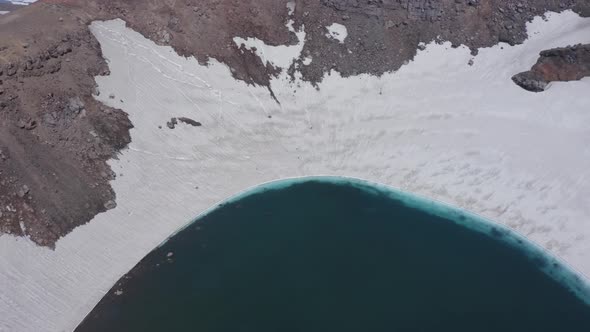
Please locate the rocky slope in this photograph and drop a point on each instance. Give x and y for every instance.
(55, 138)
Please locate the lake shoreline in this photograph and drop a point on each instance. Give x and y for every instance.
(552, 266)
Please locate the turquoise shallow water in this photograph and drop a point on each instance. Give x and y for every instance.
(332, 254)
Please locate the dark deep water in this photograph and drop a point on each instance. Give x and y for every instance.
(334, 257)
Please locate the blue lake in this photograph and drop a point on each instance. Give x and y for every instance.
(330, 254)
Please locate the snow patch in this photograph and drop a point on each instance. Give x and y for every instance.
(337, 31)
(22, 2)
(291, 8)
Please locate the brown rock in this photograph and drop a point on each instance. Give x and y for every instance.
(559, 64)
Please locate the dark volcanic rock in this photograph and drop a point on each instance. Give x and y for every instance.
(190, 121)
(530, 81)
(559, 64)
(172, 123)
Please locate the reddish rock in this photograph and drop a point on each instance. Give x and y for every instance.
(564, 64)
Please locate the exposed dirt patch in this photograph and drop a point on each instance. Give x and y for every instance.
(55, 138)
(570, 63)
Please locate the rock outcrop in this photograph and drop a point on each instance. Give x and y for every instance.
(55, 137)
(564, 64)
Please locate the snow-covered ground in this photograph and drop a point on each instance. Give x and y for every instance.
(22, 2)
(337, 31)
(2, 12)
(461, 134)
